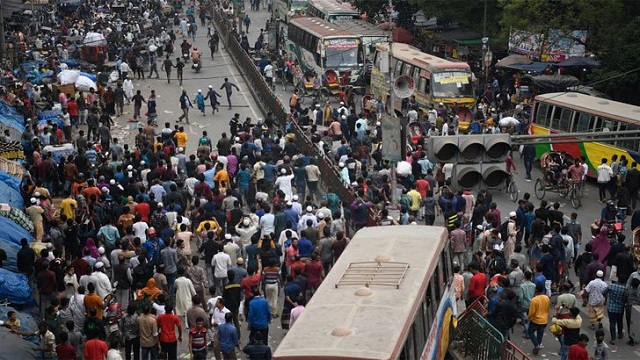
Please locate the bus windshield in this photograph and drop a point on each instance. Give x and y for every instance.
(297, 4)
(340, 53)
(451, 84)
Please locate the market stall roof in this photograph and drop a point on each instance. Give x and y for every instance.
(535, 66)
(579, 61)
(552, 82)
(514, 60)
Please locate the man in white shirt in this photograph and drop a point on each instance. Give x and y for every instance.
(343, 110)
(267, 222)
(268, 73)
(140, 230)
(302, 223)
(283, 182)
(295, 205)
(103, 284)
(220, 263)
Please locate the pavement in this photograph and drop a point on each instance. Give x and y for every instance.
(215, 71)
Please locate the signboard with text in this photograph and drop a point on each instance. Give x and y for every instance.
(391, 138)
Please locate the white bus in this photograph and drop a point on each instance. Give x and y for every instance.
(325, 49)
(389, 296)
(332, 10)
(370, 33)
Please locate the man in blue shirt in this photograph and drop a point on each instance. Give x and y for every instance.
(259, 316)
(228, 337)
(305, 246)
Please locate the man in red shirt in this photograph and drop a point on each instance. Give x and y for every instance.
(95, 349)
(65, 350)
(579, 351)
(167, 324)
(143, 209)
(477, 284)
(422, 186)
(248, 283)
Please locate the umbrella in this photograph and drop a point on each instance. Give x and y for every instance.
(508, 121)
(579, 61)
(514, 59)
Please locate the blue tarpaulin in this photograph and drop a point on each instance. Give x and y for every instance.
(15, 122)
(14, 288)
(7, 109)
(10, 236)
(10, 190)
(51, 115)
(93, 77)
(536, 66)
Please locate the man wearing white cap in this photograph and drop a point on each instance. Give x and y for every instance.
(595, 305)
(512, 231)
(343, 110)
(35, 211)
(103, 284)
(295, 205)
(302, 223)
(283, 182)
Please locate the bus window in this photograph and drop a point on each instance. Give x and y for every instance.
(376, 60)
(430, 303)
(565, 120)
(446, 264)
(398, 68)
(416, 74)
(408, 352)
(423, 85)
(584, 123)
(628, 143)
(543, 113)
(610, 125)
(555, 118)
(407, 70)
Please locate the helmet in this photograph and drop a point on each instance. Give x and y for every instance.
(151, 233)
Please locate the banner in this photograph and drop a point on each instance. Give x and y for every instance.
(526, 43)
(560, 46)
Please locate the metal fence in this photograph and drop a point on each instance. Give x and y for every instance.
(511, 352)
(269, 103)
(481, 340)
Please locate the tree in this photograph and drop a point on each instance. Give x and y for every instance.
(374, 8)
(466, 13)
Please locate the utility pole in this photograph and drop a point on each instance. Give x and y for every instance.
(394, 195)
(3, 46)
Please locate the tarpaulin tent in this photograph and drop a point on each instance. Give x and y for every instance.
(14, 288)
(28, 324)
(551, 83)
(17, 216)
(10, 236)
(10, 190)
(15, 122)
(12, 346)
(7, 109)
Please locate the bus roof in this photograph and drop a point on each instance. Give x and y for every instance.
(591, 104)
(333, 6)
(361, 27)
(375, 324)
(414, 56)
(319, 27)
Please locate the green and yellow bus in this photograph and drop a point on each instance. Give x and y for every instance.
(325, 49)
(436, 80)
(571, 112)
(286, 9)
(332, 10)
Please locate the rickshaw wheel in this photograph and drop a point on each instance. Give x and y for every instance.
(539, 189)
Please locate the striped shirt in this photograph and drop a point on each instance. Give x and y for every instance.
(271, 274)
(616, 297)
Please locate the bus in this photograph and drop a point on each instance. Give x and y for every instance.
(332, 10)
(569, 112)
(436, 80)
(323, 48)
(388, 296)
(370, 34)
(285, 9)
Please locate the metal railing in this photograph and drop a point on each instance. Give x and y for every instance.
(269, 103)
(479, 305)
(511, 352)
(481, 341)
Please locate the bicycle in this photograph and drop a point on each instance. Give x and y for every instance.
(511, 188)
(575, 193)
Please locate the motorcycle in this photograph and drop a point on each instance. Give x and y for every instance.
(113, 313)
(197, 65)
(185, 57)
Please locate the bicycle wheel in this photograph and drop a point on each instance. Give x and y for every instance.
(539, 189)
(563, 190)
(513, 191)
(575, 198)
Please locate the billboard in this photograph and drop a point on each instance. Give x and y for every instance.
(557, 45)
(561, 45)
(525, 43)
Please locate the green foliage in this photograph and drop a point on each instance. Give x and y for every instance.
(466, 13)
(374, 7)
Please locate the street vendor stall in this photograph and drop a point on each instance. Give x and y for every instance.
(94, 48)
